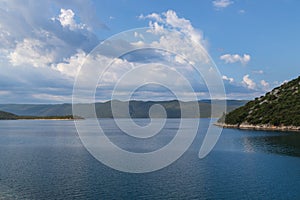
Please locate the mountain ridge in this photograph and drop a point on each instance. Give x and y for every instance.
(138, 109)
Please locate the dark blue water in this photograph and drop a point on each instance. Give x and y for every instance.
(46, 160)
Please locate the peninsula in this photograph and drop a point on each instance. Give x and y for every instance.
(11, 116)
(276, 110)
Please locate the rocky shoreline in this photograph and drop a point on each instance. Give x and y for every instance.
(263, 127)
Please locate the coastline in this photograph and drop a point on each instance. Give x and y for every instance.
(60, 118)
(259, 127)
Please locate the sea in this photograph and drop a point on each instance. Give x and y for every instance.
(45, 159)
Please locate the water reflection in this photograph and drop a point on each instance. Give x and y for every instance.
(248, 145)
(279, 143)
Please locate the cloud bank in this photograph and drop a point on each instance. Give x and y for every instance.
(44, 43)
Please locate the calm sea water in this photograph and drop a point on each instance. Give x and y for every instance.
(46, 160)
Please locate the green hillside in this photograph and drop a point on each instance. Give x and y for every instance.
(11, 116)
(280, 107)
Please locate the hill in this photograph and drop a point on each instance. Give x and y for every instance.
(7, 116)
(278, 110)
(11, 116)
(138, 109)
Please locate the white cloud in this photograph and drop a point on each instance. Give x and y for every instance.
(173, 41)
(138, 43)
(3, 92)
(153, 16)
(66, 19)
(71, 66)
(56, 48)
(5, 37)
(170, 19)
(249, 82)
(183, 24)
(31, 52)
(179, 59)
(156, 28)
(231, 80)
(264, 83)
(138, 35)
(242, 11)
(219, 4)
(114, 73)
(36, 39)
(186, 41)
(233, 58)
(53, 97)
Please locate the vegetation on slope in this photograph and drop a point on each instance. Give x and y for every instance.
(7, 115)
(11, 116)
(279, 107)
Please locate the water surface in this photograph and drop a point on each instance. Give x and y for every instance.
(46, 160)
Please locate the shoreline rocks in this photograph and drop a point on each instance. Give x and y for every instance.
(263, 127)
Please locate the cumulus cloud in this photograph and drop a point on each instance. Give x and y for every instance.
(31, 52)
(71, 66)
(220, 4)
(265, 85)
(46, 51)
(249, 82)
(171, 19)
(39, 49)
(153, 16)
(231, 80)
(32, 46)
(156, 28)
(138, 35)
(184, 25)
(66, 19)
(183, 41)
(233, 58)
(42, 40)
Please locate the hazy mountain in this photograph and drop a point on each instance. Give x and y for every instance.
(7, 115)
(137, 109)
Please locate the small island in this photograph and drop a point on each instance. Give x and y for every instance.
(276, 110)
(11, 116)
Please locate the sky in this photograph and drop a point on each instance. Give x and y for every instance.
(254, 45)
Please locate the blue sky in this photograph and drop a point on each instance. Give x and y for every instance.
(42, 43)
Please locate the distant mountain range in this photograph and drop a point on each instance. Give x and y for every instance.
(137, 109)
(278, 110)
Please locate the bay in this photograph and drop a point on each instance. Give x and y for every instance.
(45, 159)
